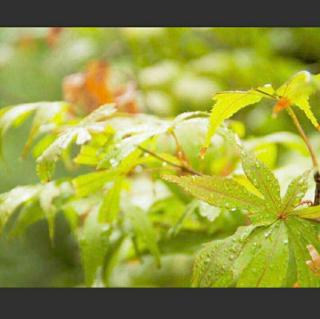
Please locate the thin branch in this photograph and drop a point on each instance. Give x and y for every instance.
(179, 150)
(267, 94)
(314, 159)
(304, 137)
(182, 167)
(316, 177)
(299, 128)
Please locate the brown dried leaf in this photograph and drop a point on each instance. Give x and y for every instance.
(91, 89)
(53, 35)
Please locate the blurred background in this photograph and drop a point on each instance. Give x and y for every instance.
(170, 70)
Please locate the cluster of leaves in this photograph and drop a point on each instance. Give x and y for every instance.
(270, 252)
(114, 223)
(295, 92)
(101, 207)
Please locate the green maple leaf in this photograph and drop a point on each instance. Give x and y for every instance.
(272, 252)
(263, 179)
(87, 184)
(144, 230)
(14, 199)
(35, 201)
(110, 206)
(46, 115)
(132, 133)
(227, 104)
(80, 134)
(296, 91)
(94, 242)
(219, 191)
(260, 256)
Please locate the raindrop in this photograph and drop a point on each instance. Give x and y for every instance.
(113, 162)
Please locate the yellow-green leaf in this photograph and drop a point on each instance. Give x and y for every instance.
(93, 238)
(227, 104)
(80, 133)
(46, 197)
(263, 179)
(312, 212)
(266, 258)
(297, 91)
(13, 199)
(213, 265)
(295, 192)
(219, 191)
(90, 183)
(144, 230)
(111, 203)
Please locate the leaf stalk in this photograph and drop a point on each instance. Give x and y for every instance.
(313, 156)
(182, 166)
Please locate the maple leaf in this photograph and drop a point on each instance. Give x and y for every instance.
(89, 89)
(92, 88)
(296, 91)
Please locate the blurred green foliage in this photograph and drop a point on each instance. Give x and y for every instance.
(175, 70)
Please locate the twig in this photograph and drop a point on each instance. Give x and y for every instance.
(179, 150)
(267, 94)
(304, 137)
(316, 177)
(299, 128)
(182, 167)
(314, 159)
